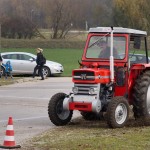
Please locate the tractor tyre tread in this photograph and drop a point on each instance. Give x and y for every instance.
(139, 95)
(52, 110)
(111, 112)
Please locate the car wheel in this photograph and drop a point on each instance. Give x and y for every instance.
(2, 71)
(46, 72)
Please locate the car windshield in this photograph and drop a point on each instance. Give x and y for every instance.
(99, 47)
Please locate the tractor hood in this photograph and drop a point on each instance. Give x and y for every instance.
(91, 75)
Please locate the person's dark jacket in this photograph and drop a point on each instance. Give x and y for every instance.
(39, 59)
(1, 58)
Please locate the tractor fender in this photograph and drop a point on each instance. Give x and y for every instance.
(139, 66)
(66, 102)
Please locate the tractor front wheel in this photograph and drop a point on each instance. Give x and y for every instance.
(117, 112)
(57, 114)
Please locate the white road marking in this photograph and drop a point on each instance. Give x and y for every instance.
(21, 119)
(32, 105)
(23, 97)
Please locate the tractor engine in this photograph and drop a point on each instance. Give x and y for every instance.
(91, 92)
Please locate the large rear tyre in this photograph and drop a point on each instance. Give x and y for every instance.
(57, 114)
(141, 95)
(117, 112)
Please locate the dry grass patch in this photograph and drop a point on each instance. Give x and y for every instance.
(92, 135)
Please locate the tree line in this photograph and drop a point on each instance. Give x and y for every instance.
(23, 18)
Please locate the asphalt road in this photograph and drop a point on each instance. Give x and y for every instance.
(27, 104)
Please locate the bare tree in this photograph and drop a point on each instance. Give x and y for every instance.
(16, 21)
(59, 15)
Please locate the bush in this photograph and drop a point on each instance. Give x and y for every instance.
(20, 43)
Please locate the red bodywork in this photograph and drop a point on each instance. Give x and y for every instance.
(101, 75)
(92, 65)
(80, 106)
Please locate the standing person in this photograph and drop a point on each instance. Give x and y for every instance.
(0, 65)
(8, 69)
(39, 62)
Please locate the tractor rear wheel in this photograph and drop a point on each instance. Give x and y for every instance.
(57, 114)
(117, 112)
(141, 95)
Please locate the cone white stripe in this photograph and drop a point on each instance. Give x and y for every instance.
(9, 138)
(10, 127)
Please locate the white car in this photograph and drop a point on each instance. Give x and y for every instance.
(136, 58)
(24, 63)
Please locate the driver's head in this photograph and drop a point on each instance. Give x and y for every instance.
(102, 44)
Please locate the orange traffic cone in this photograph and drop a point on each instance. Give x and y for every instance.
(9, 140)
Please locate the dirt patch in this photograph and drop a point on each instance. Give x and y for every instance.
(16, 80)
(27, 79)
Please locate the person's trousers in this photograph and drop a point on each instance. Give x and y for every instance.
(8, 74)
(0, 69)
(38, 68)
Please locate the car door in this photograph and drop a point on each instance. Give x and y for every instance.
(133, 59)
(141, 59)
(26, 63)
(14, 61)
(21, 63)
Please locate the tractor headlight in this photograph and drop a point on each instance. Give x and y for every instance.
(75, 90)
(92, 91)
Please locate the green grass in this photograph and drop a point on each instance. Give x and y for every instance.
(67, 57)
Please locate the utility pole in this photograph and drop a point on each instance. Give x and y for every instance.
(86, 25)
(32, 13)
(0, 37)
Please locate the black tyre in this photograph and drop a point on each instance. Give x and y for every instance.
(90, 115)
(141, 95)
(46, 71)
(2, 71)
(117, 112)
(57, 115)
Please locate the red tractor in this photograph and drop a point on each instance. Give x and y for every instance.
(109, 79)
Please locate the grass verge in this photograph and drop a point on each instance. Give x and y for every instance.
(8, 81)
(92, 135)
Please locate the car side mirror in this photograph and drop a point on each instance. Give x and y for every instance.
(137, 42)
(31, 59)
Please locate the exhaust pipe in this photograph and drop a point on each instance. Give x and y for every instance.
(111, 57)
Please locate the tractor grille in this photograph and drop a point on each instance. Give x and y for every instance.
(83, 89)
(84, 75)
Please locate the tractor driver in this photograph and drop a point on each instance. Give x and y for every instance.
(105, 50)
